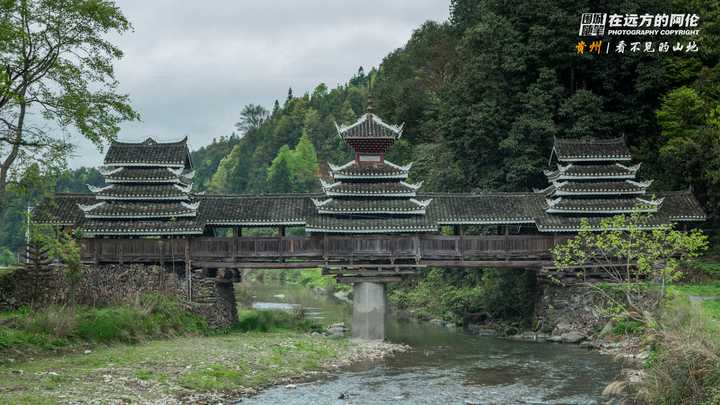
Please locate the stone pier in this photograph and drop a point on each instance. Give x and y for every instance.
(369, 308)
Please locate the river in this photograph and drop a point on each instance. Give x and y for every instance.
(445, 366)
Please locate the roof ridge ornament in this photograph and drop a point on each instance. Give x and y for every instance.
(192, 206)
(185, 189)
(189, 175)
(177, 171)
(107, 171)
(94, 189)
(423, 203)
(90, 207)
(656, 202)
(551, 203)
(641, 184)
(319, 203)
(326, 186)
(633, 168)
(414, 186)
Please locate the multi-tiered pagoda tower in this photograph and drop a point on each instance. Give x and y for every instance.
(594, 179)
(370, 194)
(146, 192)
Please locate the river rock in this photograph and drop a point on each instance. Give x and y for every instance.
(562, 327)
(615, 389)
(436, 321)
(555, 338)
(480, 330)
(336, 329)
(572, 337)
(342, 295)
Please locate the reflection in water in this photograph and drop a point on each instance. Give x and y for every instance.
(446, 367)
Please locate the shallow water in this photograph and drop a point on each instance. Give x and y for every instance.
(446, 367)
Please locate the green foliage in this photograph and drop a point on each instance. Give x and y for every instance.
(58, 67)
(500, 295)
(294, 170)
(686, 366)
(272, 321)
(7, 257)
(215, 377)
(67, 326)
(631, 254)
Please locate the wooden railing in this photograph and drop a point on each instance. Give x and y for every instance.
(318, 248)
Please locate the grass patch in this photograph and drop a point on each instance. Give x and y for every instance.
(156, 370)
(251, 320)
(685, 366)
(57, 327)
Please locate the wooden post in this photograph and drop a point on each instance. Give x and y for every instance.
(282, 230)
(188, 268)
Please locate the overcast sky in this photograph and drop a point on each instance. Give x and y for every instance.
(190, 66)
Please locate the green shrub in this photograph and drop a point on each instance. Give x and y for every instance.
(507, 295)
(686, 368)
(625, 326)
(269, 321)
(154, 316)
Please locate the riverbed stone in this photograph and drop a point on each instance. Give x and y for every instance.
(572, 337)
(480, 330)
(615, 389)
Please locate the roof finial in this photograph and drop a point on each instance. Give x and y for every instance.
(369, 97)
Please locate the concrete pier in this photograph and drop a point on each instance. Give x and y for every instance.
(369, 305)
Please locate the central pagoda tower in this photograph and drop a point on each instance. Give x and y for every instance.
(370, 194)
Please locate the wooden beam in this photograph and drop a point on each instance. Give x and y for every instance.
(362, 279)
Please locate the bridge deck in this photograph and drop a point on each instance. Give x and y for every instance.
(304, 251)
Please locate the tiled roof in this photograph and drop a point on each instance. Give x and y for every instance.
(386, 170)
(370, 126)
(148, 153)
(371, 206)
(601, 206)
(485, 208)
(364, 224)
(371, 189)
(144, 175)
(676, 206)
(94, 228)
(591, 149)
(143, 192)
(597, 188)
(118, 209)
(62, 209)
(256, 210)
(576, 171)
(299, 209)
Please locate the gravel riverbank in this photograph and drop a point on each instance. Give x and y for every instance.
(198, 370)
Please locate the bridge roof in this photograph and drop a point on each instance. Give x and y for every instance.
(591, 149)
(299, 210)
(149, 153)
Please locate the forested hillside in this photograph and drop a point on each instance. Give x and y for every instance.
(482, 96)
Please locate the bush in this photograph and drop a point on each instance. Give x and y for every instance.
(57, 326)
(507, 295)
(686, 367)
(269, 321)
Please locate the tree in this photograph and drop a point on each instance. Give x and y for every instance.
(56, 68)
(304, 165)
(279, 175)
(251, 117)
(691, 143)
(640, 261)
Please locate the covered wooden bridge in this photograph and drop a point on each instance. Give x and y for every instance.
(370, 225)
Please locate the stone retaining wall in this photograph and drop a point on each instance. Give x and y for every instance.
(118, 284)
